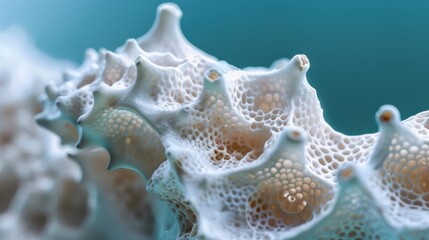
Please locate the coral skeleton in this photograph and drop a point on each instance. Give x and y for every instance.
(159, 140)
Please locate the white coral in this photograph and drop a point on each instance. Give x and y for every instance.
(249, 154)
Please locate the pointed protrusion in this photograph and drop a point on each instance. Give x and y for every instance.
(214, 89)
(104, 97)
(169, 14)
(175, 164)
(291, 141)
(132, 48)
(388, 119)
(90, 60)
(165, 28)
(295, 70)
(75, 105)
(297, 67)
(87, 138)
(55, 122)
(112, 59)
(91, 56)
(354, 204)
(114, 68)
(388, 116)
(51, 91)
(291, 75)
(147, 74)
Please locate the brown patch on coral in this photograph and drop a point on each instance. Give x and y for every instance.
(73, 205)
(287, 198)
(9, 184)
(385, 116)
(237, 142)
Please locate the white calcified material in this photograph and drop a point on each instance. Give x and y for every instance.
(249, 154)
(42, 193)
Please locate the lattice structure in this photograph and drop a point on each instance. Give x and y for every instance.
(224, 153)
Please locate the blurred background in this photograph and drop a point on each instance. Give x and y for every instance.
(363, 53)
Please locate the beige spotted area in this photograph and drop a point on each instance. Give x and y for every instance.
(268, 101)
(354, 217)
(113, 71)
(218, 130)
(169, 88)
(116, 124)
(405, 173)
(283, 97)
(287, 196)
(118, 71)
(267, 197)
(122, 131)
(263, 99)
(227, 119)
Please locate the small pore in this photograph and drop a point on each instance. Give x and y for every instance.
(347, 174)
(386, 116)
(304, 61)
(213, 75)
(295, 135)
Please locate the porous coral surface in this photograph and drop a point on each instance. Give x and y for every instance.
(222, 152)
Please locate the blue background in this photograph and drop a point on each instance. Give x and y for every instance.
(363, 53)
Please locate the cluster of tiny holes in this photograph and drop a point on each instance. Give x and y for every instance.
(287, 196)
(127, 79)
(355, 218)
(164, 186)
(217, 130)
(405, 173)
(113, 71)
(116, 125)
(178, 87)
(262, 100)
(327, 150)
(420, 123)
(85, 100)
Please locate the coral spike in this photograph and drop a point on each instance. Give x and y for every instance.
(388, 115)
(166, 28)
(132, 48)
(213, 86)
(388, 119)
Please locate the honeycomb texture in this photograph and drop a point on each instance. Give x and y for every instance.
(354, 216)
(196, 148)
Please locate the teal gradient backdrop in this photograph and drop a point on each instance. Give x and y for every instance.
(363, 53)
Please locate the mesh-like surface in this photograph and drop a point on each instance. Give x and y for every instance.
(248, 154)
